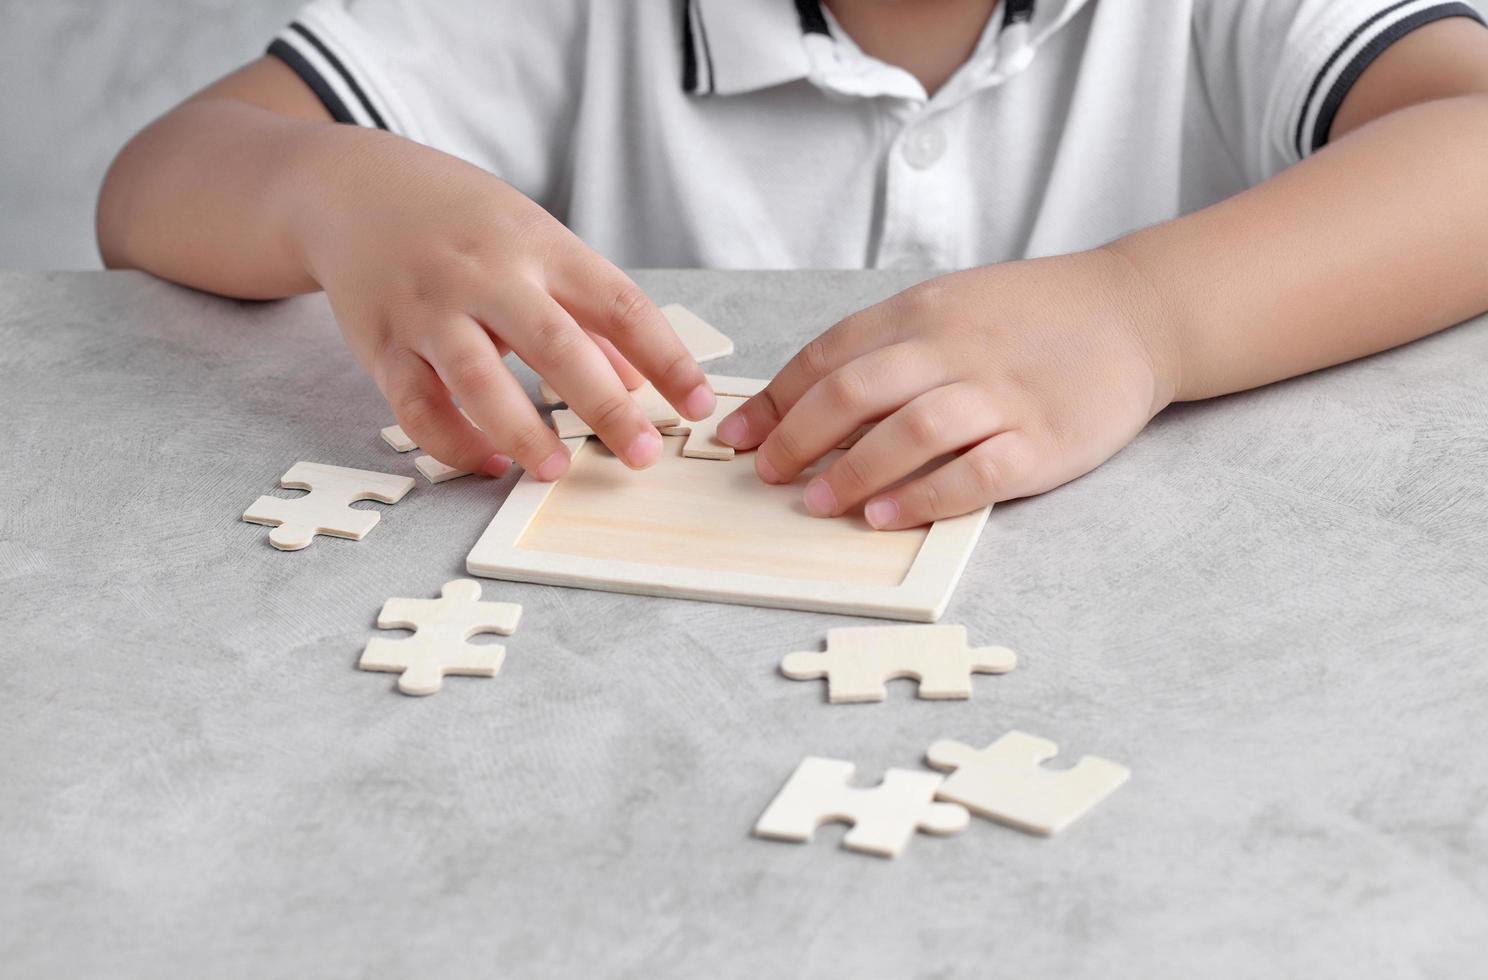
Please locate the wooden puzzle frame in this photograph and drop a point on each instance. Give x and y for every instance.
(921, 595)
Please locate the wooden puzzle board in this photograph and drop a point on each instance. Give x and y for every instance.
(711, 515)
(710, 529)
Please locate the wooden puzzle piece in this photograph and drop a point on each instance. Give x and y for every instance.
(702, 435)
(658, 412)
(433, 470)
(394, 436)
(1007, 782)
(436, 472)
(703, 341)
(859, 659)
(441, 628)
(883, 817)
(326, 508)
(402, 442)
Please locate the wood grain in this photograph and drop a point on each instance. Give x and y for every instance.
(713, 515)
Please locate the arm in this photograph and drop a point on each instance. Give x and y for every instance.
(1029, 374)
(433, 267)
(207, 195)
(1377, 239)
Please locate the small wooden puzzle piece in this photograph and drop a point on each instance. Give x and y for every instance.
(394, 436)
(436, 472)
(441, 628)
(702, 435)
(703, 341)
(326, 508)
(658, 412)
(883, 817)
(1007, 782)
(859, 659)
(433, 470)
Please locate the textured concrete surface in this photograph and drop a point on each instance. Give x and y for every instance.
(1273, 607)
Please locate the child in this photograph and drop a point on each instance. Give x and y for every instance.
(1152, 200)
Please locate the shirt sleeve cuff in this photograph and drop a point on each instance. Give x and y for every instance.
(324, 66)
(1340, 63)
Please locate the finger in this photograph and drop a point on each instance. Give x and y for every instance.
(629, 376)
(1001, 468)
(468, 364)
(864, 389)
(607, 303)
(938, 422)
(750, 424)
(421, 404)
(548, 339)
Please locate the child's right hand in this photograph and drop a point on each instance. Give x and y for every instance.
(435, 269)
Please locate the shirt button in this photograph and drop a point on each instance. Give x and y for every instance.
(924, 146)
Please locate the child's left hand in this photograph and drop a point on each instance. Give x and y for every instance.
(1032, 373)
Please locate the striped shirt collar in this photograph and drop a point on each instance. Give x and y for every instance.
(735, 46)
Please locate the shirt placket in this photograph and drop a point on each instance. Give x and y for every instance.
(916, 227)
(924, 158)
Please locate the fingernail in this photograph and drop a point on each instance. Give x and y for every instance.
(699, 403)
(644, 449)
(733, 430)
(497, 465)
(552, 467)
(820, 499)
(881, 513)
(766, 472)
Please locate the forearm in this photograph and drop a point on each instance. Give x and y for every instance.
(212, 194)
(1378, 239)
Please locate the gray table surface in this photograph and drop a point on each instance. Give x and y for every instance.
(1272, 607)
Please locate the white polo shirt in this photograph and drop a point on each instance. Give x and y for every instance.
(756, 134)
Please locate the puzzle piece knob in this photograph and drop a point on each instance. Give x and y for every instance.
(291, 536)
